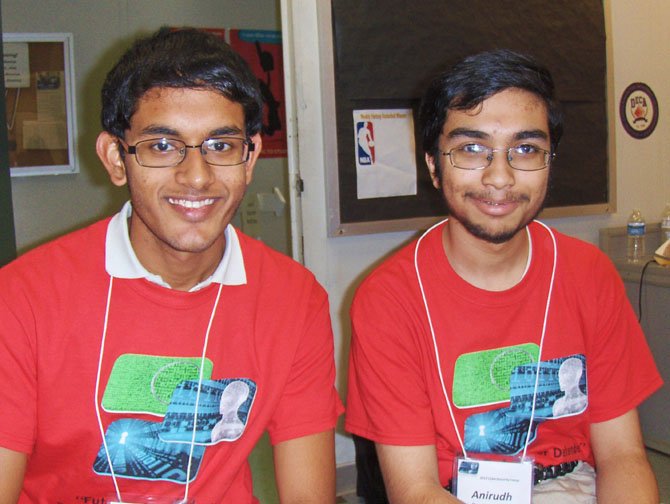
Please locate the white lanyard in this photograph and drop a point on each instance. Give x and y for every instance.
(197, 397)
(437, 353)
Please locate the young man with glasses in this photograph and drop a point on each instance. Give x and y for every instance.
(142, 358)
(494, 359)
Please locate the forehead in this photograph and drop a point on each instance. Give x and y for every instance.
(505, 113)
(186, 111)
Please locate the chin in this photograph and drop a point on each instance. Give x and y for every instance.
(495, 237)
(194, 246)
(497, 234)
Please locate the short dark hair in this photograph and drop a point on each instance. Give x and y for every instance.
(184, 58)
(478, 77)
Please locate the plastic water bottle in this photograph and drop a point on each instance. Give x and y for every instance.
(636, 231)
(665, 224)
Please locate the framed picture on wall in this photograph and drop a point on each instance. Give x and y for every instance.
(39, 103)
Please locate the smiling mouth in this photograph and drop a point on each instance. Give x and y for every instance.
(186, 203)
(486, 199)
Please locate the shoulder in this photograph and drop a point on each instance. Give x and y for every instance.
(584, 268)
(271, 270)
(575, 254)
(51, 275)
(396, 270)
(390, 287)
(79, 249)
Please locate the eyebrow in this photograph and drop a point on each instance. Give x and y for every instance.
(158, 130)
(225, 131)
(531, 134)
(167, 131)
(465, 132)
(480, 135)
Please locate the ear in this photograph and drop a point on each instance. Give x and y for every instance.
(107, 148)
(253, 156)
(433, 170)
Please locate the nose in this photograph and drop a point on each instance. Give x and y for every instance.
(194, 171)
(499, 173)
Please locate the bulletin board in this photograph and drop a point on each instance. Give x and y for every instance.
(384, 54)
(7, 238)
(39, 103)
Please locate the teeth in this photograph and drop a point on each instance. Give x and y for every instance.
(190, 203)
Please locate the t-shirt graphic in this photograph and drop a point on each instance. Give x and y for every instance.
(168, 387)
(561, 391)
(145, 383)
(223, 409)
(136, 452)
(483, 378)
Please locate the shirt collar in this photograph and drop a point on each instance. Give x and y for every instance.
(121, 261)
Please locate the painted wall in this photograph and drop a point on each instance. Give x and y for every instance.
(47, 206)
(637, 41)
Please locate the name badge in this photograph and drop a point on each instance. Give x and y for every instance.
(487, 481)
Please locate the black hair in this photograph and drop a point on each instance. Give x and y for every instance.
(184, 58)
(478, 77)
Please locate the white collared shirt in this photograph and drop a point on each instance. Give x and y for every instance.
(121, 261)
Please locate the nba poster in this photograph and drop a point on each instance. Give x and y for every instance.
(385, 153)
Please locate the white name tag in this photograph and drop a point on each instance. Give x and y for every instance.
(488, 481)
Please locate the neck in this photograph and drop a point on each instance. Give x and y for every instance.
(489, 266)
(181, 270)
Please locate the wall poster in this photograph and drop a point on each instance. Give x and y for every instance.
(39, 103)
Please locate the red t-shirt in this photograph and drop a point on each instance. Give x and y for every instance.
(595, 363)
(271, 337)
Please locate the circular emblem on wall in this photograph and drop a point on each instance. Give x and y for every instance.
(638, 110)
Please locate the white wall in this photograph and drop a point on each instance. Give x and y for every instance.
(47, 206)
(637, 42)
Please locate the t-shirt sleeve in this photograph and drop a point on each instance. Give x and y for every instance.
(17, 369)
(622, 372)
(309, 403)
(387, 400)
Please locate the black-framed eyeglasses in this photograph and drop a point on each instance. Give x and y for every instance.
(524, 157)
(167, 152)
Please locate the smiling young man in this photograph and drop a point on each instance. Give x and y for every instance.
(463, 341)
(144, 356)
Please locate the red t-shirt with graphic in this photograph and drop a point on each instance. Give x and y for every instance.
(268, 366)
(594, 364)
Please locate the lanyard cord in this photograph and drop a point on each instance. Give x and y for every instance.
(544, 331)
(437, 353)
(197, 397)
(432, 332)
(97, 387)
